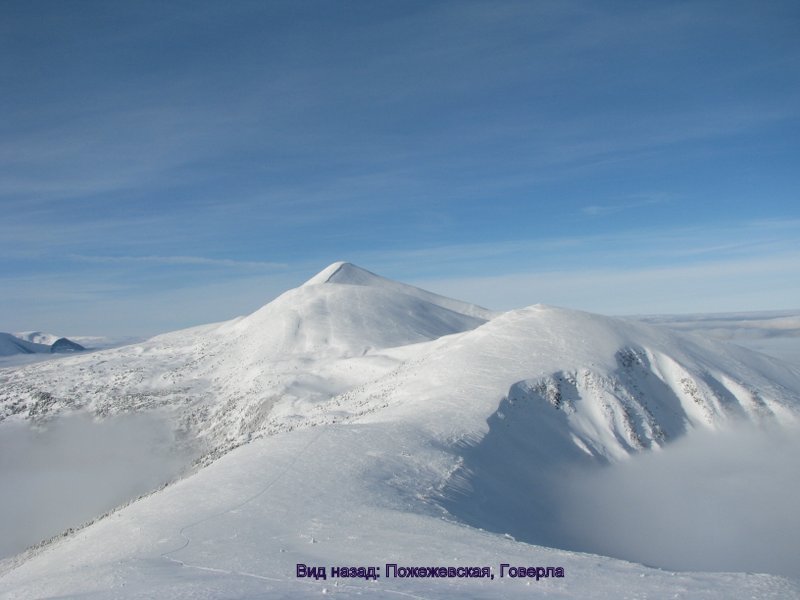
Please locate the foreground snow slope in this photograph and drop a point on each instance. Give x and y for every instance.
(383, 420)
(332, 496)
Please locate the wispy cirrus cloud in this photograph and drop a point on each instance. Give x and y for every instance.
(650, 247)
(631, 203)
(732, 284)
(212, 144)
(179, 260)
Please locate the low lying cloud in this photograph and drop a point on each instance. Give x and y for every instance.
(710, 502)
(75, 469)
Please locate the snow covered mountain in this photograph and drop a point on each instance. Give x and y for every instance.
(93, 342)
(337, 344)
(36, 342)
(11, 344)
(382, 420)
(220, 382)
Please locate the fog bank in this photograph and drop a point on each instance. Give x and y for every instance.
(722, 501)
(75, 469)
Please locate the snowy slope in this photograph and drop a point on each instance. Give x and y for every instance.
(330, 496)
(387, 424)
(348, 314)
(619, 385)
(349, 274)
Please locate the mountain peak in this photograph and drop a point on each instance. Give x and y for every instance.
(343, 272)
(346, 273)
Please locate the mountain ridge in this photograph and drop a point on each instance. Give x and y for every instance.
(326, 339)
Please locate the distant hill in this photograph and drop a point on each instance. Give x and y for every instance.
(63, 345)
(36, 342)
(10, 345)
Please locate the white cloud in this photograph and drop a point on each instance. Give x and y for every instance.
(709, 502)
(180, 260)
(71, 469)
(595, 210)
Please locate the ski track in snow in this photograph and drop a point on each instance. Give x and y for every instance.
(230, 509)
(290, 467)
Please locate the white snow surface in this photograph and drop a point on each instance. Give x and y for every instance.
(356, 421)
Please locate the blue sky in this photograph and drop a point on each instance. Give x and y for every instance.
(166, 164)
